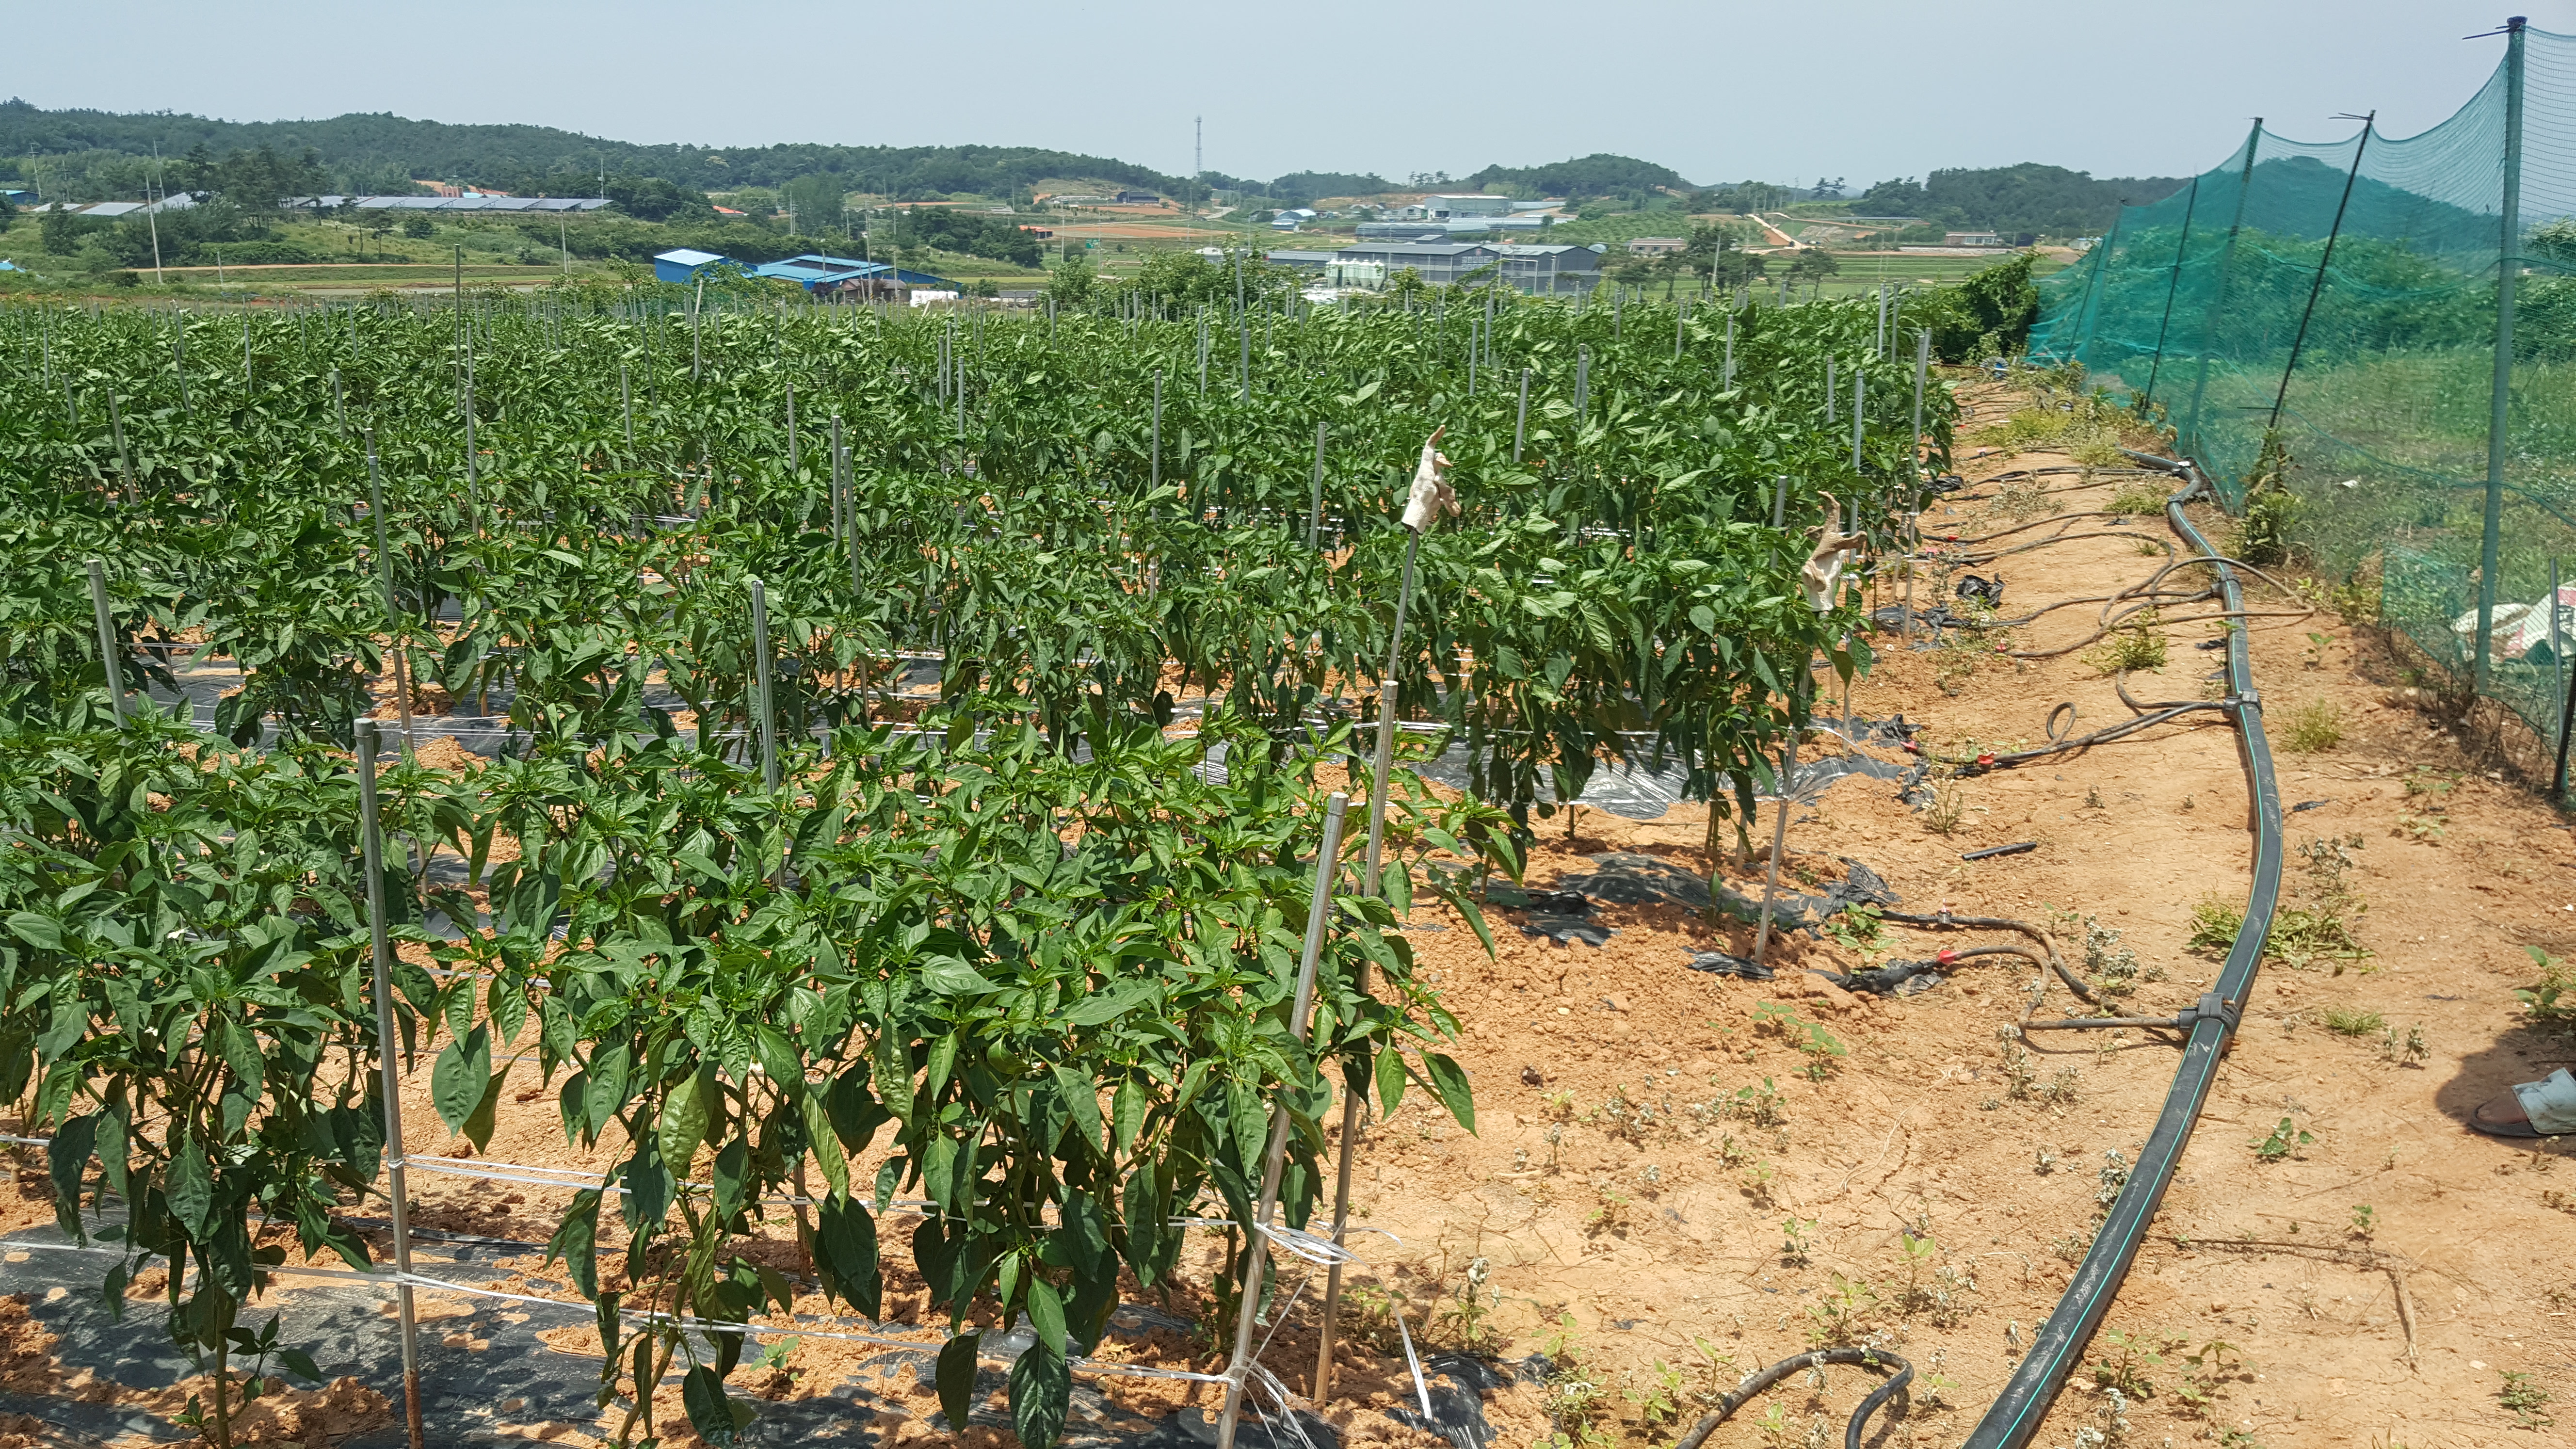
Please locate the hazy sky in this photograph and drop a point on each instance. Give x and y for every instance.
(1864, 89)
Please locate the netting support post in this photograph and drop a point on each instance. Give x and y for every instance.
(1256, 1244)
(2173, 284)
(2187, 438)
(2093, 290)
(2508, 261)
(2558, 677)
(2333, 233)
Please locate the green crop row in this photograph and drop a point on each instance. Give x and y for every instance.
(1021, 944)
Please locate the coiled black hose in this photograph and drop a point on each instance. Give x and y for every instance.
(2014, 1420)
(1755, 1383)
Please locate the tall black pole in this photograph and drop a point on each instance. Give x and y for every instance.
(2300, 339)
(2188, 438)
(2508, 262)
(2190, 205)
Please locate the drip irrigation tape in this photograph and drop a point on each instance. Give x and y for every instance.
(1991, 852)
(1754, 1383)
(2015, 1418)
(1948, 922)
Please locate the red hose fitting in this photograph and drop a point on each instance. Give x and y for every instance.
(1948, 956)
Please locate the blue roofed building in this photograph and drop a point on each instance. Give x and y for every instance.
(682, 264)
(819, 273)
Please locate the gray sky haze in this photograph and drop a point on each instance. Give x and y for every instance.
(1863, 89)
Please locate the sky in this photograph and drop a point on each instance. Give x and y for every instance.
(1860, 89)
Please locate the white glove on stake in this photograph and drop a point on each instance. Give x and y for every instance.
(1824, 568)
(1432, 495)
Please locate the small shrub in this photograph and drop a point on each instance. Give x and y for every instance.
(2140, 499)
(2215, 920)
(2524, 1399)
(1842, 1315)
(2346, 1021)
(2312, 727)
(2551, 1000)
(2140, 647)
(2284, 1140)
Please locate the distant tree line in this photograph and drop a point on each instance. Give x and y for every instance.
(2026, 199)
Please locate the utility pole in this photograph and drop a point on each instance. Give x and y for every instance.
(1198, 158)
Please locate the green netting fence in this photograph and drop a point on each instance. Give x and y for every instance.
(2324, 317)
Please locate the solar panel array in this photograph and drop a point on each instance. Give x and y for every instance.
(450, 203)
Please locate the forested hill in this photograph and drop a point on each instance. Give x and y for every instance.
(2030, 197)
(379, 152)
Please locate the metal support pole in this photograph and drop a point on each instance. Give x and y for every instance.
(1779, 837)
(2182, 244)
(111, 673)
(1315, 497)
(1860, 397)
(1730, 347)
(1780, 502)
(1256, 1245)
(2557, 645)
(850, 485)
(1155, 480)
(371, 839)
(1382, 762)
(1922, 377)
(124, 459)
(1520, 422)
(2508, 263)
(385, 577)
(1582, 384)
(2324, 260)
(760, 695)
(791, 431)
(2187, 438)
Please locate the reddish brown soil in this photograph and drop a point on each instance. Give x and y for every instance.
(1918, 1129)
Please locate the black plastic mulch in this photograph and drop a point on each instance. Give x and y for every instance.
(474, 1364)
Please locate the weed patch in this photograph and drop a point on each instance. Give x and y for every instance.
(2312, 727)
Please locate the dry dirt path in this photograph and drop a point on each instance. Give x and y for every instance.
(1660, 1227)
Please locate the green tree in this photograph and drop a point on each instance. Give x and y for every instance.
(58, 232)
(1071, 282)
(417, 226)
(1989, 313)
(1814, 264)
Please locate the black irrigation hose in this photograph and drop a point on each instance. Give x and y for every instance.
(1755, 1383)
(1980, 560)
(1882, 980)
(2014, 1420)
(1948, 922)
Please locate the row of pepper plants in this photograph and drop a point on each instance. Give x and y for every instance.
(1022, 948)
